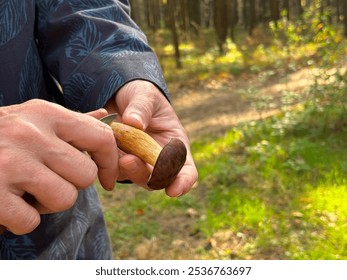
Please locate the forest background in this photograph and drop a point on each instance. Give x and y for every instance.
(261, 88)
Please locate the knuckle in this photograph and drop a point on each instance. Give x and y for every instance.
(35, 102)
(64, 199)
(90, 173)
(59, 195)
(12, 164)
(22, 222)
(30, 223)
(50, 190)
(43, 106)
(38, 178)
(106, 134)
(21, 131)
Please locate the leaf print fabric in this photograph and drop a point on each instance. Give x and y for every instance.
(84, 40)
(13, 17)
(16, 247)
(31, 76)
(77, 88)
(91, 48)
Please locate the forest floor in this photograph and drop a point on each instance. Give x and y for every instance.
(208, 109)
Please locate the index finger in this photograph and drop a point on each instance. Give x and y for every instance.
(89, 134)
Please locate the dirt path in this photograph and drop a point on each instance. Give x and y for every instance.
(216, 107)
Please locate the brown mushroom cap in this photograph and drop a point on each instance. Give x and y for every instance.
(169, 163)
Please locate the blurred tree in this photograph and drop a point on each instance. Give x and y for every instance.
(299, 9)
(184, 15)
(275, 11)
(338, 10)
(263, 9)
(344, 12)
(286, 8)
(137, 11)
(195, 16)
(153, 14)
(252, 16)
(220, 20)
(171, 10)
(233, 18)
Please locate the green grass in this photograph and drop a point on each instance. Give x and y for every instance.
(285, 192)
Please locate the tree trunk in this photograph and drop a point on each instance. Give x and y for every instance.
(344, 12)
(195, 16)
(137, 12)
(275, 11)
(286, 8)
(184, 18)
(338, 11)
(263, 7)
(194, 11)
(220, 19)
(156, 14)
(233, 19)
(171, 5)
(252, 19)
(245, 14)
(299, 8)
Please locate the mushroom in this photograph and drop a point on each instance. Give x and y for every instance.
(167, 161)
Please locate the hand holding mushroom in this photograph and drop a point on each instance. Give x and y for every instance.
(141, 105)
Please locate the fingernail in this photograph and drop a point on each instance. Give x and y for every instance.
(103, 110)
(137, 117)
(179, 194)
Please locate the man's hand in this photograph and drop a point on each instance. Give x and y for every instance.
(143, 106)
(41, 154)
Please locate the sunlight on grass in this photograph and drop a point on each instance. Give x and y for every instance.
(185, 48)
(331, 195)
(325, 212)
(234, 209)
(208, 149)
(283, 192)
(168, 50)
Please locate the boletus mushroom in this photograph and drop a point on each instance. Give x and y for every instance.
(167, 161)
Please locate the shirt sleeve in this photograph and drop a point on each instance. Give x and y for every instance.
(92, 48)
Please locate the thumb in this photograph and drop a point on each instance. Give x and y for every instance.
(137, 107)
(134, 116)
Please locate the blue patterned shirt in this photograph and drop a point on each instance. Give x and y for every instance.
(90, 48)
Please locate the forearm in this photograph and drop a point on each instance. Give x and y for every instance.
(99, 51)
